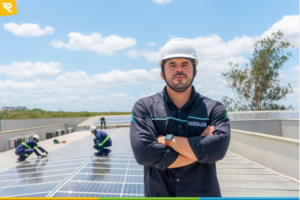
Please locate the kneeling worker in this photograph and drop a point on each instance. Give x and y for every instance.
(101, 141)
(24, 149)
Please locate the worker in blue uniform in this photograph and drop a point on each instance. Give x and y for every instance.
(25, 149)
(101, 142)
(103, 122)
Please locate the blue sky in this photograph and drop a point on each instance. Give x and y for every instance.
(102, 55)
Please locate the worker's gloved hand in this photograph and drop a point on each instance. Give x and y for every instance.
(46, 152)
(43, 156)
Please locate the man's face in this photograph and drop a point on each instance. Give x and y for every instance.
(179, 73)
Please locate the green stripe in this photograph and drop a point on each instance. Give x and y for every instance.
(37, 146)
(107, 137)
(26, 155)
(152, 198)
(24, 144)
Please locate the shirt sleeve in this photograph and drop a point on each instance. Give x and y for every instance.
(99, 138)
(143, 137)
(210, 149)
(36, 152)
(40, 148)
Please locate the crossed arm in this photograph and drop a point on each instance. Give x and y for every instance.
(150, 150)
(182, 146)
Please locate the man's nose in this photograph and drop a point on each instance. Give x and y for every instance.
(179, 68)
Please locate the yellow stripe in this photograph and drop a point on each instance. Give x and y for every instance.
(107, 137)
(24, 144)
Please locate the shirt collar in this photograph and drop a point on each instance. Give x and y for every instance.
(194, 95)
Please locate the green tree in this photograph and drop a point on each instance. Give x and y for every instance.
(257, 87)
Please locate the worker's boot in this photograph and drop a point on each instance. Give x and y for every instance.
(106, 152)
(97, 154)
(20, 159)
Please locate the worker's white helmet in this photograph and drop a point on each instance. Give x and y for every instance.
(36, 137)
(101, 115)
(178, 48)
(92, 129)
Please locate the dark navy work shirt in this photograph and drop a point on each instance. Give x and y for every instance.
(30, 144)
(157, 115)
(103, 139)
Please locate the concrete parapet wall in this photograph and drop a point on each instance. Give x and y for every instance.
(273, 152)
(277, 127)
(41, 131)
(13, 124)
(290, 128)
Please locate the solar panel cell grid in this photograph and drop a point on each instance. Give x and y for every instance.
(133, 189)
(79, 173)
(98, 178)
(102, 171)
(74, 194)
(92, 187)
(34, 195)
(27, 189)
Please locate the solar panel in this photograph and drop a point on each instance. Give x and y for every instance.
(115, 120)
(73, 171)
(250, 115)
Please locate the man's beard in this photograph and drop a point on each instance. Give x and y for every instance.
(180, 86)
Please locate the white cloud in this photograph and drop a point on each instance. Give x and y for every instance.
(95, 42)
(152, 56)
(213, 46)
(162, 1)
(209, 47)
(20, 70)
(151, 44)
(296, 68)
(133, 54)
(28, 30)
(289, 25)
(147, 95)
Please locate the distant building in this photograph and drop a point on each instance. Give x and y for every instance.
(6, 108)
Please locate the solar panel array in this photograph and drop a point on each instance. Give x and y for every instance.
(263, 115)
(115, 119)
(247, 115)
(73, 171)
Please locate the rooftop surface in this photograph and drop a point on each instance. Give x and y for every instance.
(71, 170)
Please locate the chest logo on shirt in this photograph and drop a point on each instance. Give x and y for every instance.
(200, 124)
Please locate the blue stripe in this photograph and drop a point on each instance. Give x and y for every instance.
(169, 118)
(181, 120)
(198, 118)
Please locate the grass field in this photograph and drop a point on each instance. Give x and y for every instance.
(38, 113)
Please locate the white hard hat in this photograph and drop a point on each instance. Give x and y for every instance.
(101, 115)
(36, 137)
(92, 129)
(178, 48)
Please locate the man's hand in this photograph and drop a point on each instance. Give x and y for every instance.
(161, 139)
(46, 152)
(208, 131)
(43, 156)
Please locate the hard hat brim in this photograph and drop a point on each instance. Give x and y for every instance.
(178, 56)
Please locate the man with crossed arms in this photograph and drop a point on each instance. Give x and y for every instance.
(179, 134)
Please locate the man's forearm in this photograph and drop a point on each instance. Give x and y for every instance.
(182, 146)
(181, 161)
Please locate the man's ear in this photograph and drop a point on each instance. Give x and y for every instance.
(161, 75)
